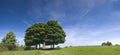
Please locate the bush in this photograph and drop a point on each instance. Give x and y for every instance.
(70, 45)
(66, 46)
(58, 47)
(3, 48)
(11, 47)
(7, 46)
(117, 45)
(20, 48)
(107, 43)
(29, 48)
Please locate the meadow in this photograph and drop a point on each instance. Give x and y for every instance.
(79, 50)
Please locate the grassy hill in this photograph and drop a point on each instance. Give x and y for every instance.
(83, 50)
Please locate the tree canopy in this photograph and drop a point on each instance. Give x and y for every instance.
(50, 33)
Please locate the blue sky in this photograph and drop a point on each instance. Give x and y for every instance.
(86, 22)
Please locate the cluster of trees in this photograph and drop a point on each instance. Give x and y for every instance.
(50, 33)
(107, 43)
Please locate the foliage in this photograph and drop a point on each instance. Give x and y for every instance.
(20, 48)
(50, 33)
(117, 45)
(106, 43)
(66, 46)
(10, 46)
(34, 34)
(9, 41)
(55, 33)
(70, 46)
(28, 48)
(58, 47)
(3, 48)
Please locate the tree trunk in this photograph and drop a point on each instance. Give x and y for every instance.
(53, 45)
(39, 45)
(43, 45)
(36, 46)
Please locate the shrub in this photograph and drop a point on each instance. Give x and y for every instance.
(66, 46)
(106, 43)
(116, 44)
(70, 45)
(20, 48)
(11, 47)
(7, 46)
(29, 48)
(3, 48)
(58, 47)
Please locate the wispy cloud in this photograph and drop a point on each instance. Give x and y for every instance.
(82, 20)
(85, 36)
(26, 22)
(60, 9)
(102, 31)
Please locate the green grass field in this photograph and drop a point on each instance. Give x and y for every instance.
(83, 50)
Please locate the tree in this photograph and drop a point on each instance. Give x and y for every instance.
(103, 44)
(106, 43)
(10, 40)
(55, 33)
(50, 33)
(35, 34)
(109, 43)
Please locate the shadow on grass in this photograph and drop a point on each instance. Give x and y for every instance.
(44, 49)
(50, 49)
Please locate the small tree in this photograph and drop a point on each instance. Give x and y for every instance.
(10, 41)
